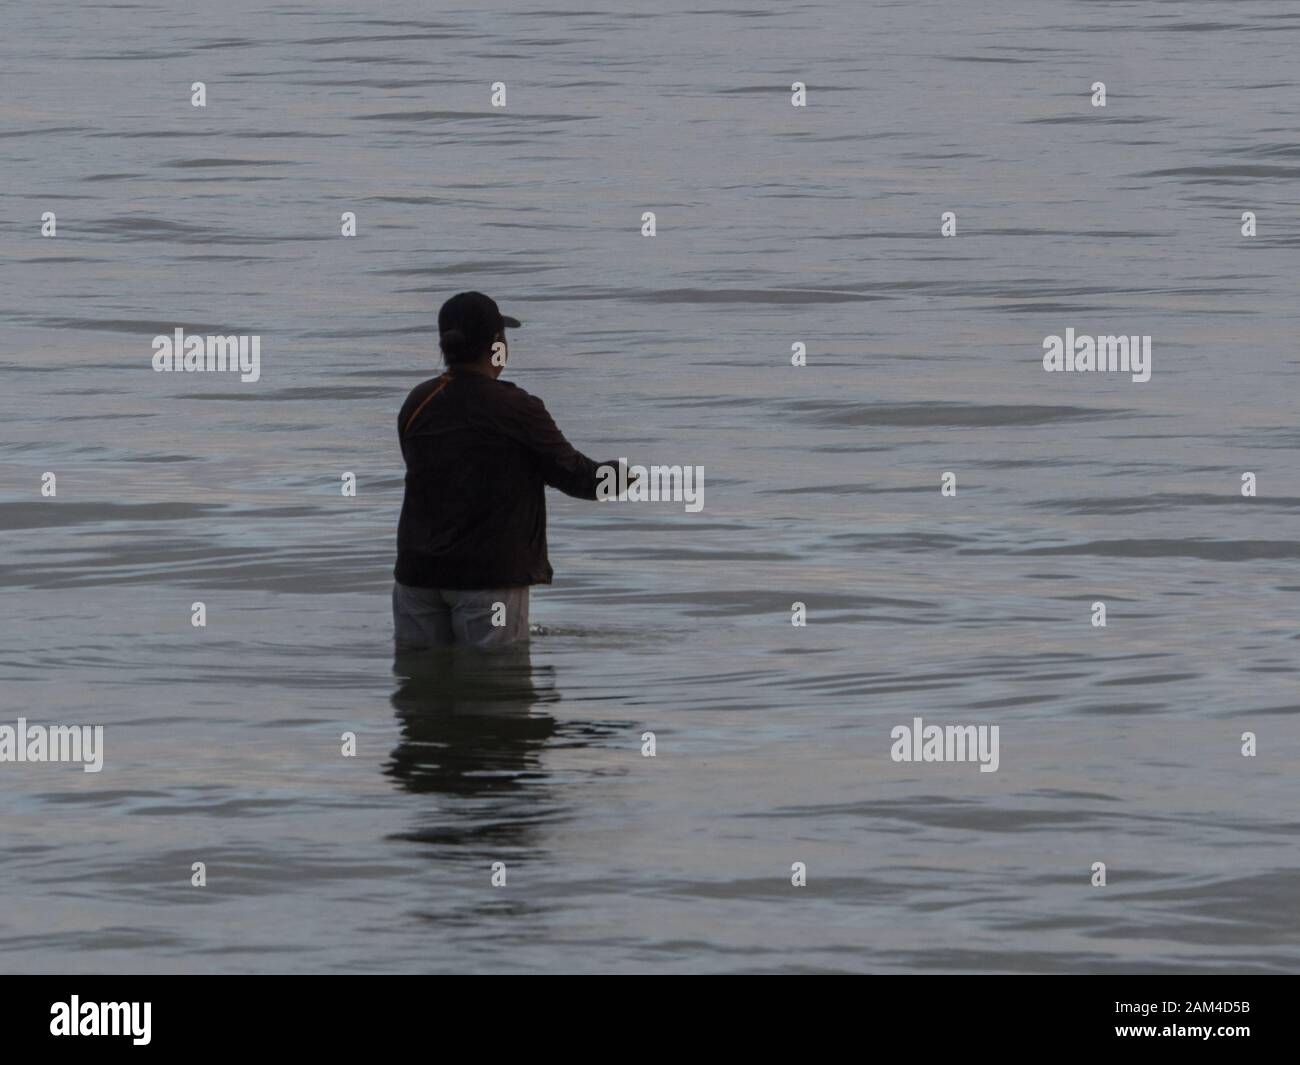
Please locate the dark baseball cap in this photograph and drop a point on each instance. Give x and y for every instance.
(474, 314)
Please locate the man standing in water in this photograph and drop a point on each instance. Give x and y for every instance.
(479, 453)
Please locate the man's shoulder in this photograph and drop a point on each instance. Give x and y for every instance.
(414, 399)
(511, 394)
(480, 390)
(423, 388)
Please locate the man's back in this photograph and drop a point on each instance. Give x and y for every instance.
(479, 452)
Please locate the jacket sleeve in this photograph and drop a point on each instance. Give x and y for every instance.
(561, 464)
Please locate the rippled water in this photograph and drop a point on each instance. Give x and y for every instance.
(776, 225)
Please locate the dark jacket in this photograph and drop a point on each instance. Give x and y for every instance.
(479, 453)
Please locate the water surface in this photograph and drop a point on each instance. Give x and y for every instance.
(776, 225)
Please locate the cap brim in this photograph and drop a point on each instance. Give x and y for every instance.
(513, 323)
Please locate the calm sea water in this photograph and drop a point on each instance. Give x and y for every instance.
(776, 225)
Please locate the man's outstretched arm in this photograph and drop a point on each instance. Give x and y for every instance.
(562, 465)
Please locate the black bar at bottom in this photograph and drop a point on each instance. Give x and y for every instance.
(337, 1014)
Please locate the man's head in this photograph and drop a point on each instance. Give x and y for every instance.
(469, 324)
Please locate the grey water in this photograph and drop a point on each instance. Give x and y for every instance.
(776, 225)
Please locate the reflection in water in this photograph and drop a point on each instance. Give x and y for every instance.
(468, 722)
(473, 732)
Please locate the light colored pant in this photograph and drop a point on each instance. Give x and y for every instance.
(445, 617)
